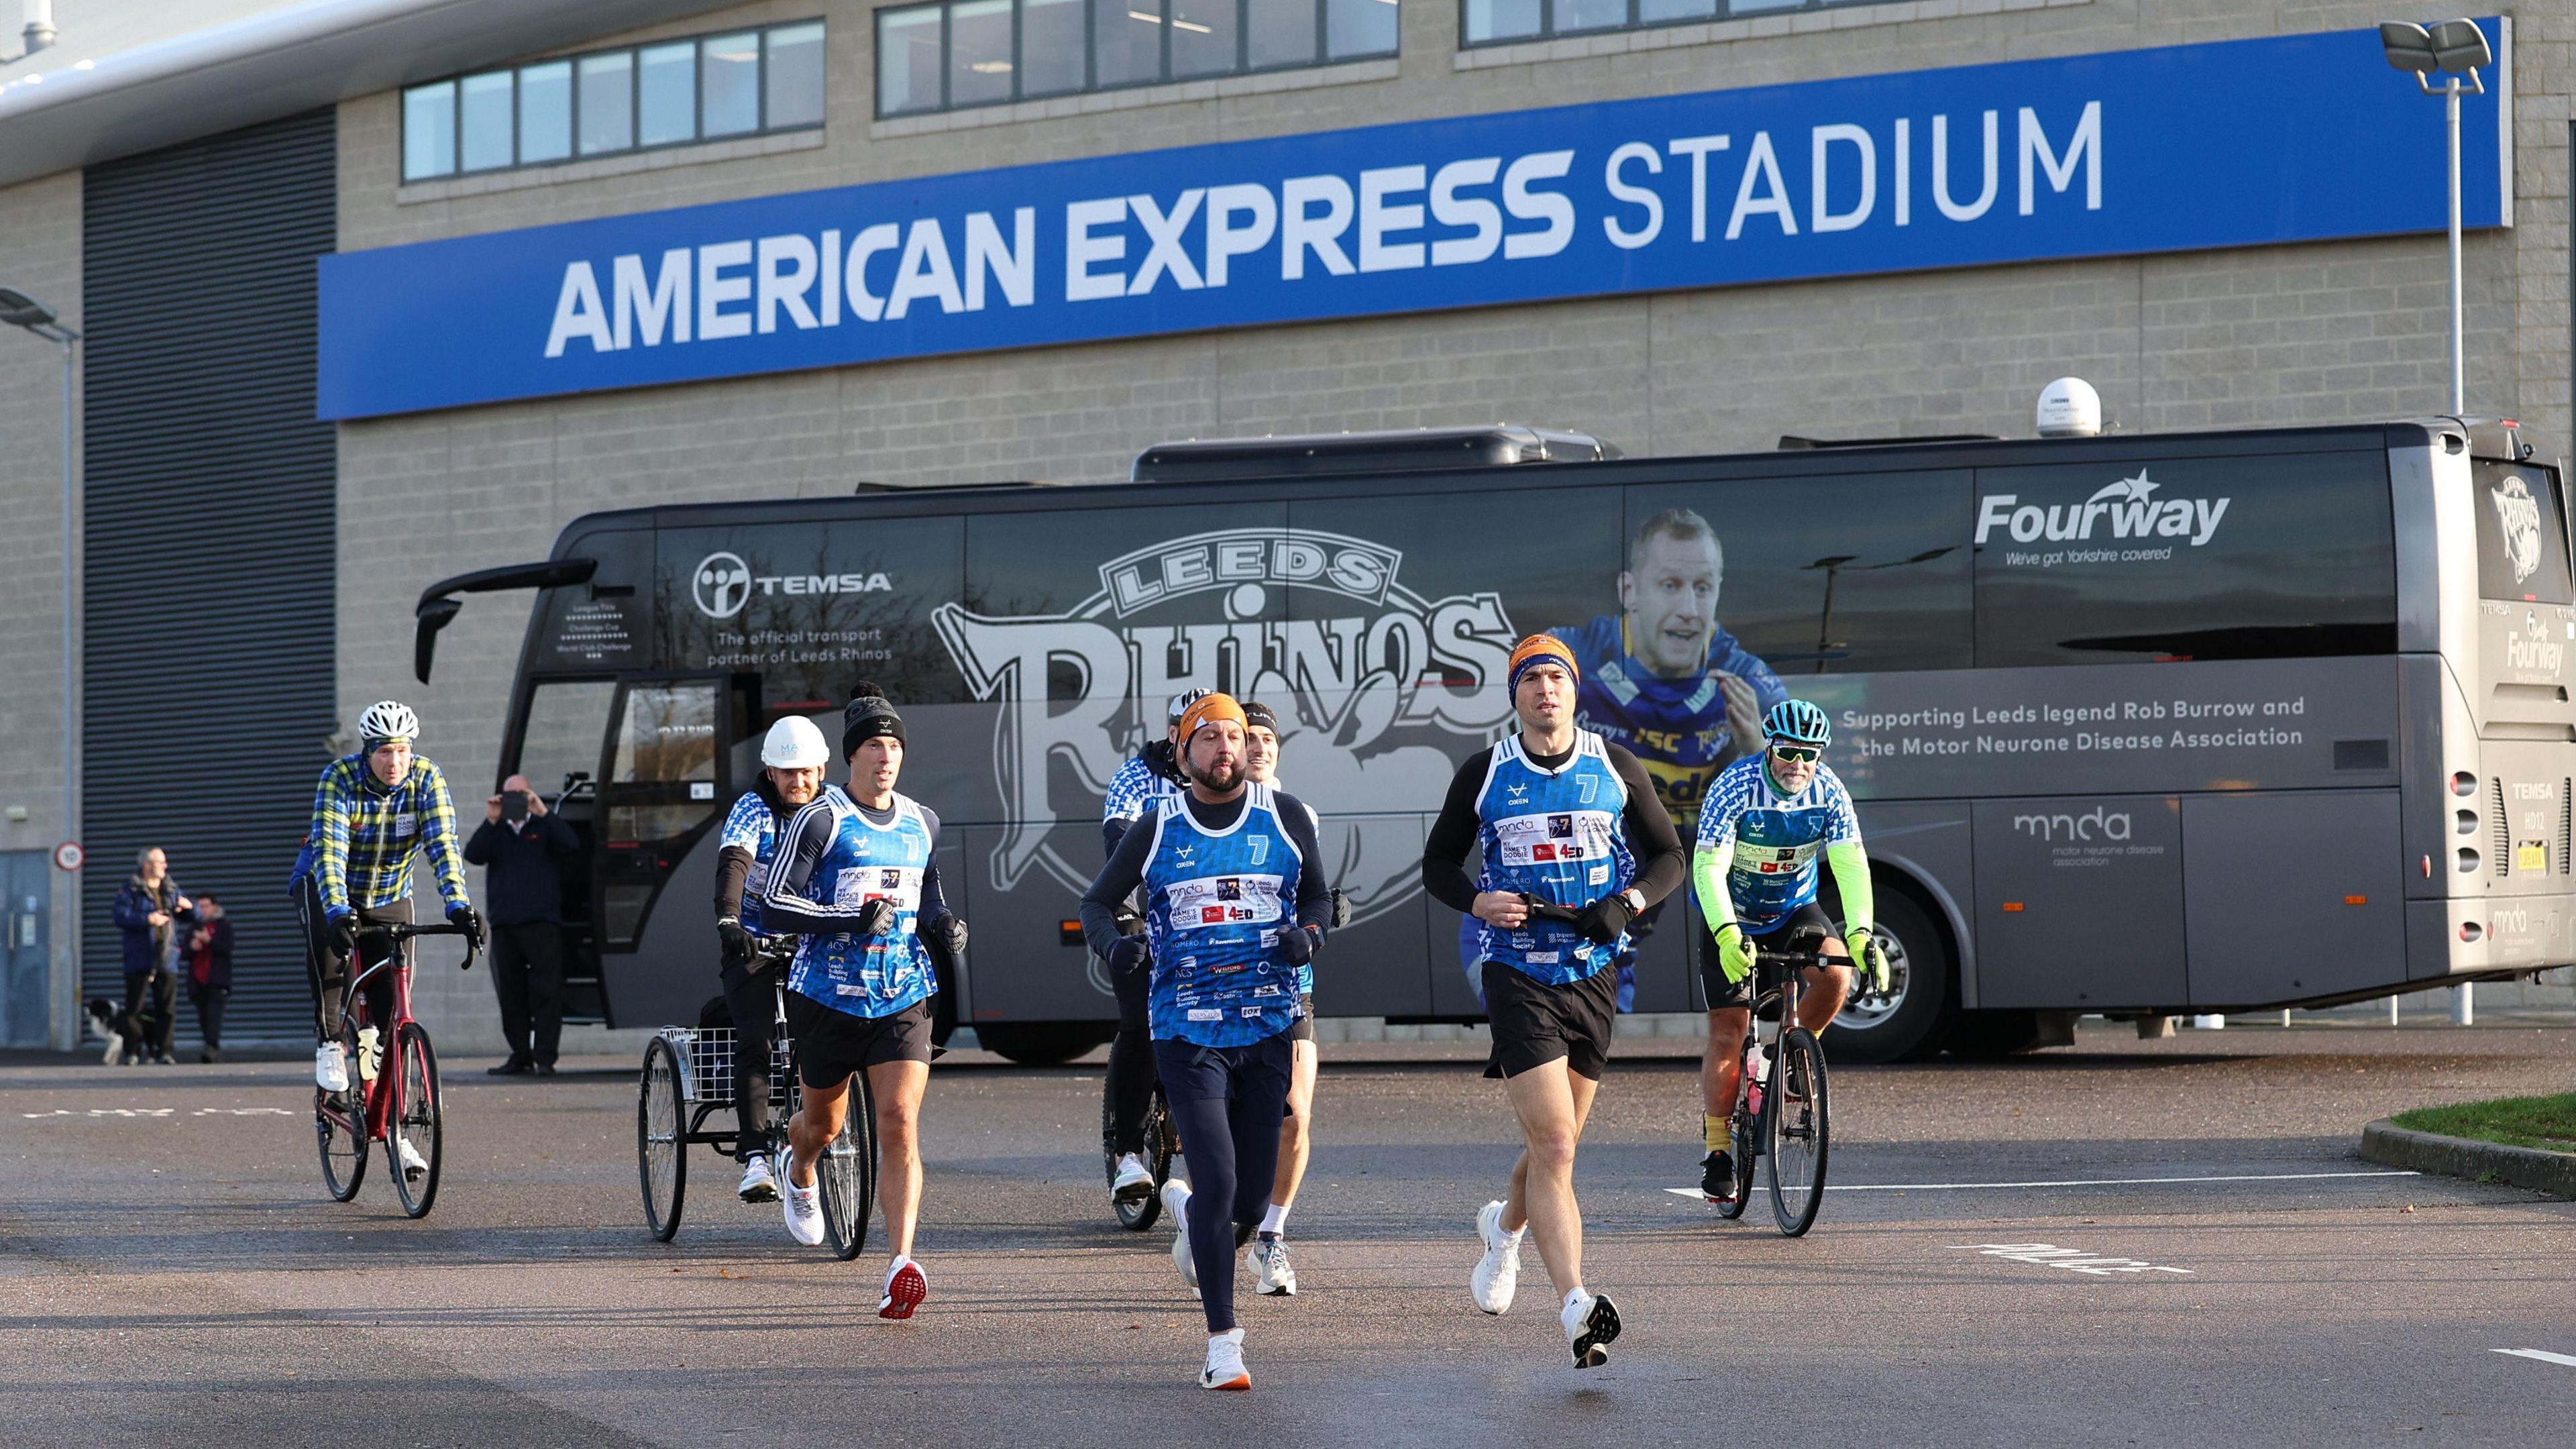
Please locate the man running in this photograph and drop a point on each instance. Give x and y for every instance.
(792, 761)
(1149, 777)
(373, 813)
(1275, 1276)
(1233, 910)
(858, 876)
(1569, 825)
(1754, 869)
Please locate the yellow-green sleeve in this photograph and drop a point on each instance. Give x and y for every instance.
(1850, 865)
(1709, 865)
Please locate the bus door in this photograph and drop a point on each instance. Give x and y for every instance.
(665, 779)
(563, 729)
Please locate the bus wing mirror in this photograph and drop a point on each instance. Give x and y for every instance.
(436, 609)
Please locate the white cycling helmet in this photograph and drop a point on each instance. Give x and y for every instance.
(388, 719)
(795, 743)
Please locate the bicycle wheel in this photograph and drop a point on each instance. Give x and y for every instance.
(661, 1144)
(848, 1173)
(1798, 1133)
(339, 1128)
(413, 1118)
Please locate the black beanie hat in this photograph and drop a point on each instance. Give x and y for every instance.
(1261, 715)
(868, 715)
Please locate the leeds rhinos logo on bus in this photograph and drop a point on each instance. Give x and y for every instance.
(1353, 688)
(2518, 514)
(2125, 509)
(723, 583)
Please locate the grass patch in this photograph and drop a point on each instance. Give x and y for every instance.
(2548, 1123)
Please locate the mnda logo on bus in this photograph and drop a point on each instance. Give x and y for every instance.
(1375, 686)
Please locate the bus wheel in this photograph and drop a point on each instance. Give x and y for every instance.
(1904, 1022)
(1043, 1043)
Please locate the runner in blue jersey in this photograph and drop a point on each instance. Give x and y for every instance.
(1233, 909)
(1567, 825)
(1151, 776)
(792, 761)
(1274, 1275)
(857, 876)
(1753, 868)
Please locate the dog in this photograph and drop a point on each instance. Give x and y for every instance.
(103, 1023)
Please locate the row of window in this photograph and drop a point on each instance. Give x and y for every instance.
(942, 56)
(958, 53)
(669, 93)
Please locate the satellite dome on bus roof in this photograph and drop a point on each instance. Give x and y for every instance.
(2069, 408)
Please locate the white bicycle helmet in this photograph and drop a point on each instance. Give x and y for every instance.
(388, 719)
(795, 743)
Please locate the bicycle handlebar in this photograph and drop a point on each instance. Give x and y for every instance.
(405, 930)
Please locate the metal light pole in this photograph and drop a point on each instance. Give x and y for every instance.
(2456, 48)
(20, 310)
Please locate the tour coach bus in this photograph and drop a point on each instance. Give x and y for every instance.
(2152, 724)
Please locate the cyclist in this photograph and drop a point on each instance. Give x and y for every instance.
(373, 811)
(1275, 1275)
(1754, 869)
(1568, 821)
(792, 761)
(1149, 777)
(1232, 912)
(857, 875)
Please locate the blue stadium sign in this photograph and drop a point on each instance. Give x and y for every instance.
(2240, 143)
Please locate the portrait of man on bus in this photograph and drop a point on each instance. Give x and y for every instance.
(1662, 676)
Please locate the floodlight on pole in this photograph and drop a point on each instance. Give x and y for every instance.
(2455, 48)
(20, 310)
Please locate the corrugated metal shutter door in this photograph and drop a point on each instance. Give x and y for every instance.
(211, 505)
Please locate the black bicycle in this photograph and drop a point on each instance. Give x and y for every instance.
(1783, 1104)
(689, 1077)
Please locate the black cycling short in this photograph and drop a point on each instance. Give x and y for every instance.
(1535, 1023)
(832, 1045)
(1304, 1027)
(1723, 993)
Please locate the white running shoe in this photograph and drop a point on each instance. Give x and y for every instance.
(804, 1205)
(1591, 1321)
(1498, 1273)
(413, 1166)
(906, 1285)
(1135, 1180)
(1225, 1368)
(757, 1184)
(1275, 1276)
(331, 1067)
(1176, 1206)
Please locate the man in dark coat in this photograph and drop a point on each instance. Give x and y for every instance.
(146, 909)
(523, 847)
(206, 961)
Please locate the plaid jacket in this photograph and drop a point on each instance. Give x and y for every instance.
(360, 847)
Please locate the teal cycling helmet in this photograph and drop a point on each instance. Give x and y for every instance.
(1799, 723)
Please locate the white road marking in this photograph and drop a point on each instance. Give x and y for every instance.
(2078, 1260)
(2542, 1354)
(1692, 1192)
(161, 1112)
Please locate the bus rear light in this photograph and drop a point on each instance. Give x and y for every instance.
(2356, 900)
(2428, 867)
(2011, 906)
(1069, 932)
(2470, 931)
(2464, 783)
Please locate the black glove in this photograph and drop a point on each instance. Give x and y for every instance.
(946, 932)
(1297, 944)
(464, 918)
(344, 935)
(874, 917)
(1130, 955)
(735, 941)
(1603, 920)
(1341, 909)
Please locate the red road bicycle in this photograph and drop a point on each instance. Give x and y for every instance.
(400, 1107)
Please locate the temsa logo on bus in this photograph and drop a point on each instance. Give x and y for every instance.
(2125, 509)
(2101, 824)
(1366, 694)
(723, 583)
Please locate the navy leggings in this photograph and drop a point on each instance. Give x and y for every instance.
(1227, 1103)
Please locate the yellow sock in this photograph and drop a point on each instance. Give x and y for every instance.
(1719, 1138)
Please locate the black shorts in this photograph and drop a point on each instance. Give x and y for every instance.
(832, 1046)
(1535, 1022)
(1722, 993)
(1304, 1030)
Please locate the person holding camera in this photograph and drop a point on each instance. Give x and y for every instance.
(523, 847)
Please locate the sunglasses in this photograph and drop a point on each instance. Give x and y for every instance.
(1797, 754)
